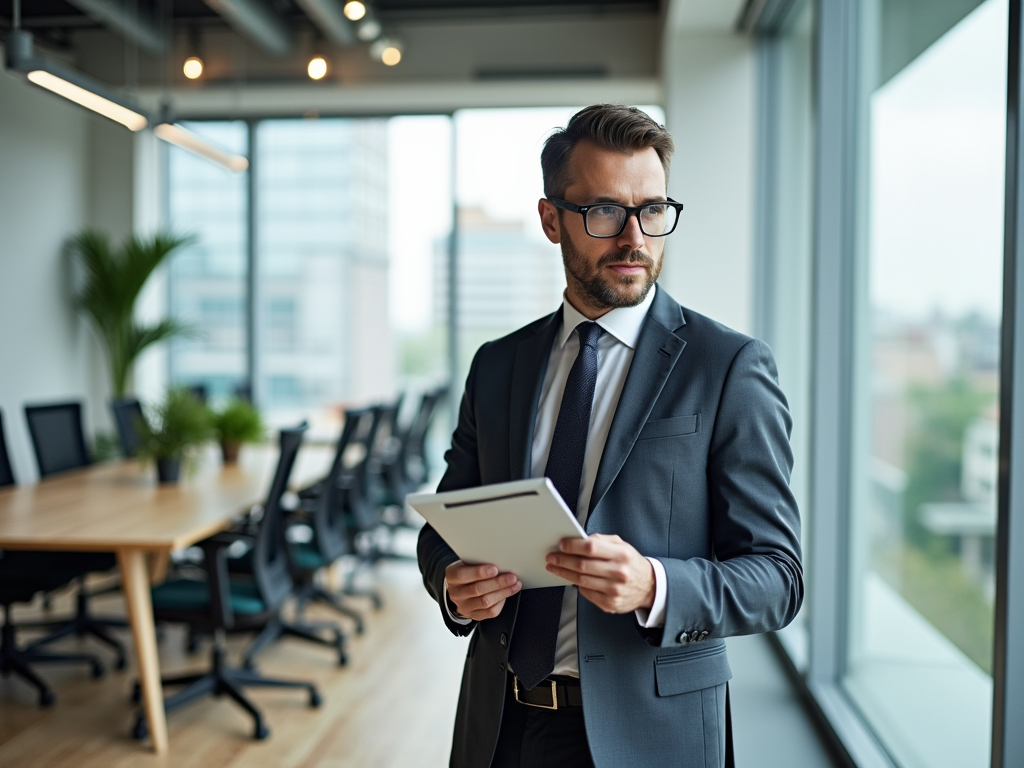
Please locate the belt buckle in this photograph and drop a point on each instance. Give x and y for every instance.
(554, 695)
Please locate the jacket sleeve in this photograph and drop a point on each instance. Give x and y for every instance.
(463, 471)
(754, 583)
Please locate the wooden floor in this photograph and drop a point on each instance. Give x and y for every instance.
(393, 705)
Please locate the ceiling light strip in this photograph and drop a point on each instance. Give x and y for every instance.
(184, 138)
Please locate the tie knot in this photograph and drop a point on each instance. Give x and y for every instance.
(589, 332)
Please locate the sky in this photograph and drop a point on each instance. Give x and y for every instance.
(938, 137)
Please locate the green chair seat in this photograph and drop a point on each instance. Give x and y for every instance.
(306, 556)
(186, 594)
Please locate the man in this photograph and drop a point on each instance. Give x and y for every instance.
(668, 436)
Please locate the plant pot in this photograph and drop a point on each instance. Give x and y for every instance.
(230, 451)
(168, 470)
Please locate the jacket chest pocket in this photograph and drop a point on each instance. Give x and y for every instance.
(670, 427)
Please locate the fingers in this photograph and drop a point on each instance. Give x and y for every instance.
(460, 573)
(489, 605)
(480, 591)
(597, 545)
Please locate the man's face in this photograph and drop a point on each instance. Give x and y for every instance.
(604, 273)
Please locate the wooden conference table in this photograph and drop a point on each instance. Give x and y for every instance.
(120, 508)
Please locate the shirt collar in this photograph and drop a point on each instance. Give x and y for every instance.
(624, 323)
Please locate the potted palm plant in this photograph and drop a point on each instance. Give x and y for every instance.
(236, 423)
(177, 427)
(112, 283)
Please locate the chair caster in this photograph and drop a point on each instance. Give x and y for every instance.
(261, 732)
(140, 730)
(378, 603)
(314, 699)
(136, 693)
(360, 628)
(46, 698)
(98, 670)
(122, 663)
(342, 659)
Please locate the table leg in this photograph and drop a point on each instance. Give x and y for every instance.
(135, 583)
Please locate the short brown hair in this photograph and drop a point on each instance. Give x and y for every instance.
(623, 129)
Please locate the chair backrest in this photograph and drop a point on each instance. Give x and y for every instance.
(128, 416)
(359, 483)
(6, 473)
(329, 525)
(270, 558)
(414, 447)
(57, 437)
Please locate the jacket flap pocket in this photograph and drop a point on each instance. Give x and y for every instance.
(677, 425)
(685, 673)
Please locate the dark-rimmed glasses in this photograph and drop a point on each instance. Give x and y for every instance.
(609, 219)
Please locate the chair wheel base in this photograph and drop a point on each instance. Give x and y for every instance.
(46, 699)
(261, 732)
(315, 700)
(98, 670)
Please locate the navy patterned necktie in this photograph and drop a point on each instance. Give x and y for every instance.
(532, 654)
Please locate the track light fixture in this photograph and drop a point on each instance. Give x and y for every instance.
(70, 84)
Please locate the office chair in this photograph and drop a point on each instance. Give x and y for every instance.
(407, 469)
(128, 416)
(23, 574)
(59, 444)
(321, 512)
(218, 603)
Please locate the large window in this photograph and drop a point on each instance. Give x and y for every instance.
(320, 298)
(926, 371)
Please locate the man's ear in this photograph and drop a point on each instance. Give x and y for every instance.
(549, 220)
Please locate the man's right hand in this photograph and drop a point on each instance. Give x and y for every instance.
(479, 591)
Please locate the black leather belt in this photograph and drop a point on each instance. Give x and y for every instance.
(552, 692)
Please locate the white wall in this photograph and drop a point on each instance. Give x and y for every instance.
(709, 96)
(61, 169)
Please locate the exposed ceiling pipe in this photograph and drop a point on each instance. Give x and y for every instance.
(256, 20)
(328, 16)
(126, 20)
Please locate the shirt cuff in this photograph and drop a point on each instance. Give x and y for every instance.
(655, 617)
(459, 619)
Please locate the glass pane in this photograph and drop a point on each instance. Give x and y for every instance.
(788, 321)
(926, 379)
(509, 274)
(342, 315)
(208, 280)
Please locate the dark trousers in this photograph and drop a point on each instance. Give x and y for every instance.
(531, 737)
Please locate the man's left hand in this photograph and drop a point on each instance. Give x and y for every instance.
(609, 572)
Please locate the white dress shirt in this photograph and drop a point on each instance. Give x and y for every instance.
(614, 356)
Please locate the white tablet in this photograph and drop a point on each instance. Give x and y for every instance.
(513, 525)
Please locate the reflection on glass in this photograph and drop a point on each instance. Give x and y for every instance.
(208, 280)
(925, 442)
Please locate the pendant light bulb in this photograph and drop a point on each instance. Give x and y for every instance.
(193, 68)
(354, 10)
(317, 68)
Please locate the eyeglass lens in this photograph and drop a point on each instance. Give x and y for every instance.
(608, 220)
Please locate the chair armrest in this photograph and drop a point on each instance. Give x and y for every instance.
(215, 556)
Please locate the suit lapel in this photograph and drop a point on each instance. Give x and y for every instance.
(531, 364)
(657, 351)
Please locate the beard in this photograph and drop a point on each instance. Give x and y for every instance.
(597, 290)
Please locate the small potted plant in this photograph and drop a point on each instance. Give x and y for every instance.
(236, 423)
(176, 428)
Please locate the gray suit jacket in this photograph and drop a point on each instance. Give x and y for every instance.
(695, 472)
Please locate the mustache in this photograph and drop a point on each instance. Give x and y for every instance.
(633, 257)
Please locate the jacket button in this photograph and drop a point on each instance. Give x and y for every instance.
(503, 639)
(684, 637)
